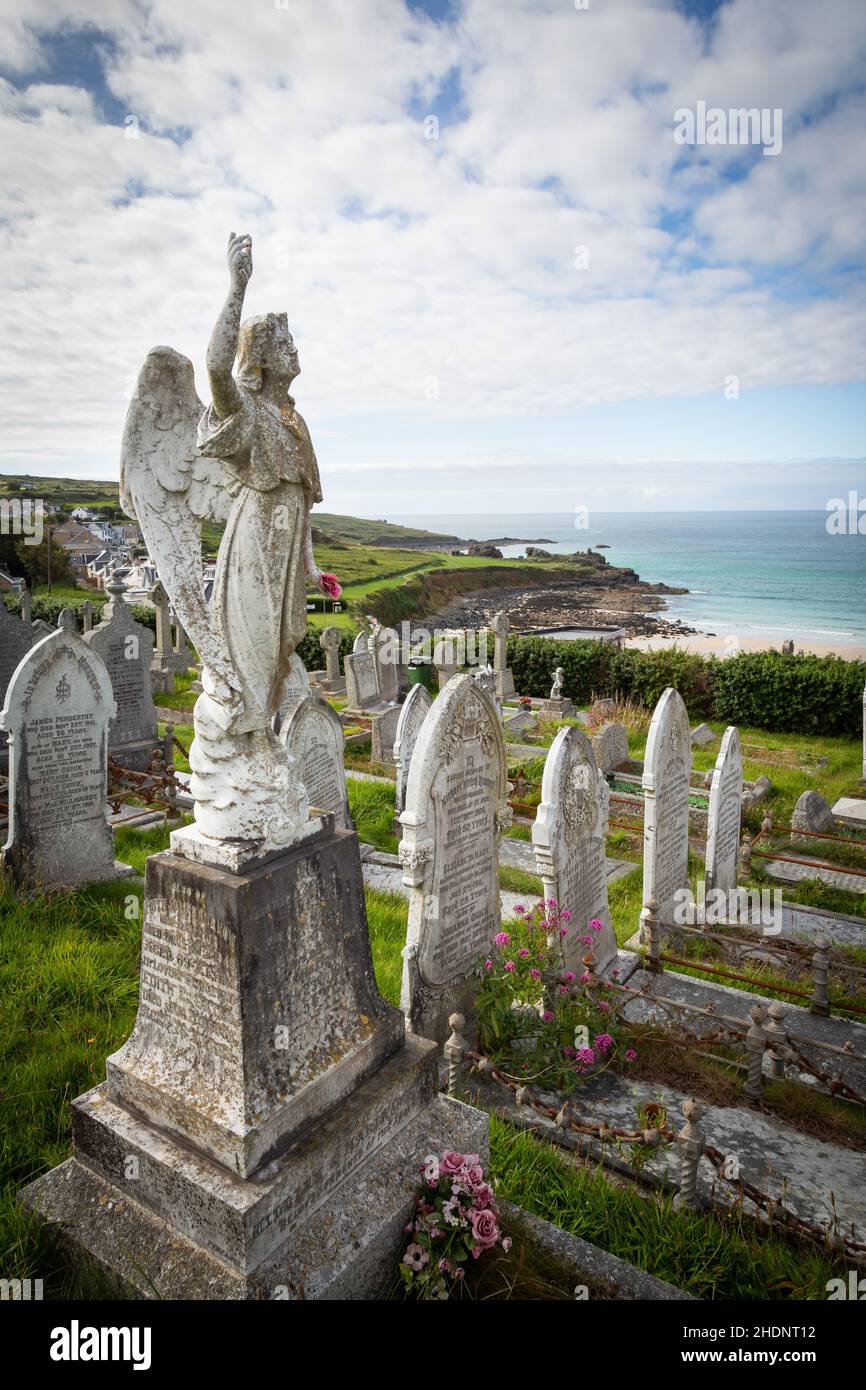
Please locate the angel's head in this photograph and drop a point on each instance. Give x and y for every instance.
(266, 345)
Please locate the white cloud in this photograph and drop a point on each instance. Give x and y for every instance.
(402, 259)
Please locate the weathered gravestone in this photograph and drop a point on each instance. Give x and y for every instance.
(385, 646)
(126, 647)
(57, 711)
(812, 812)
(313, 736)
(456, 808)
(413, 712)
(569, 840)
(295, 689)
(383, 732)
(362, 688)
(723, 819)
(181, 651)
(504, 677)
(667, 765)
(16, 639)
(330, 644)
(610, 746)
(447, 657)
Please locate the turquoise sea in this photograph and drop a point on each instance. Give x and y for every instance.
(761, 575)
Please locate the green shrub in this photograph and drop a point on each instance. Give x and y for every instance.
(761, 690)
(790, 694)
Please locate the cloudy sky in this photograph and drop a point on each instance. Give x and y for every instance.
(512, 288)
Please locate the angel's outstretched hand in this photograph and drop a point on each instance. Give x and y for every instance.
(240, 259)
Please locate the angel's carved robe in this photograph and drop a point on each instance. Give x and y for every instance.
(259, 598)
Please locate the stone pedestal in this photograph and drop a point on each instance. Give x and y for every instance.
(558, 709)
(260, 1133)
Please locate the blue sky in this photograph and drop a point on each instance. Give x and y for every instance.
(511, 288)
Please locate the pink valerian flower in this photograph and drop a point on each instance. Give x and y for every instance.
(630, 1054)
(485, 1229)
(509, 965)
(596, 926)
(604, 1006)
(488, 965)
(501, 938)
(416, 1258)
(603, 1043)
(547, 1016)
(614, 974)
(569, 1052)
(585, 978)
(585, 940)
(563, 931)
(569, 977)
(565, 915)
(523, 952)
(519, 909)
(585, 1055)
(563, 989)
(536, 974)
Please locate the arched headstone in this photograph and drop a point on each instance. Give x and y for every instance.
(667, 766)
(58, 708)
(723, 818)
(456, 808)
(413, 712)
(313, 735)
(569, 840)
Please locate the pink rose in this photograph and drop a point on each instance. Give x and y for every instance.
(484, 1228)
(330, 585)
(451, 1163)
(474, 1177)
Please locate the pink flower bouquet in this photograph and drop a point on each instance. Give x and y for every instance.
(455, 1217)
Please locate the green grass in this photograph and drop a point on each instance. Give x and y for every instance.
(712, 1255)
(372, 807)
(387, 914)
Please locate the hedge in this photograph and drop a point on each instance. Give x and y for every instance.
(763, 690)
(48, 607)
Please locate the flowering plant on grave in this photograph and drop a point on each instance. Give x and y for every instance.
(455, 1218)
(538, 1021)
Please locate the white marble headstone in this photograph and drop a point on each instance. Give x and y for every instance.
(667, 766)
(413, 712)
(723, 820)
(313, 735)
(296, 689)
(569, 840)
(456, 807)
(58, 707)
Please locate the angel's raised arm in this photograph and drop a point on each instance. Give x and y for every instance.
(223, 344)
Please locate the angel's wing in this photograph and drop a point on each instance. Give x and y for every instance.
(169, 488)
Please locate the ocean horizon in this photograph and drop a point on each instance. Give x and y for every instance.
(768, 575)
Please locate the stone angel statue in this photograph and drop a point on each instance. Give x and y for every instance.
(558, 678)
(245, 460)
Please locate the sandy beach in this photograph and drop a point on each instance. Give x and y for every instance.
(729, 645)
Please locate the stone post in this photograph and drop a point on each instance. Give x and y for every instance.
(651, 934)
(691, 1142)
(87, 615)
(820, 1001)
(454, 1050)
(755, 1044)
(504, 678)
(330, 644)
(776, 1033)
(26, 604)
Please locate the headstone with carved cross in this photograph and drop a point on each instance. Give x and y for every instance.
(334, 682)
